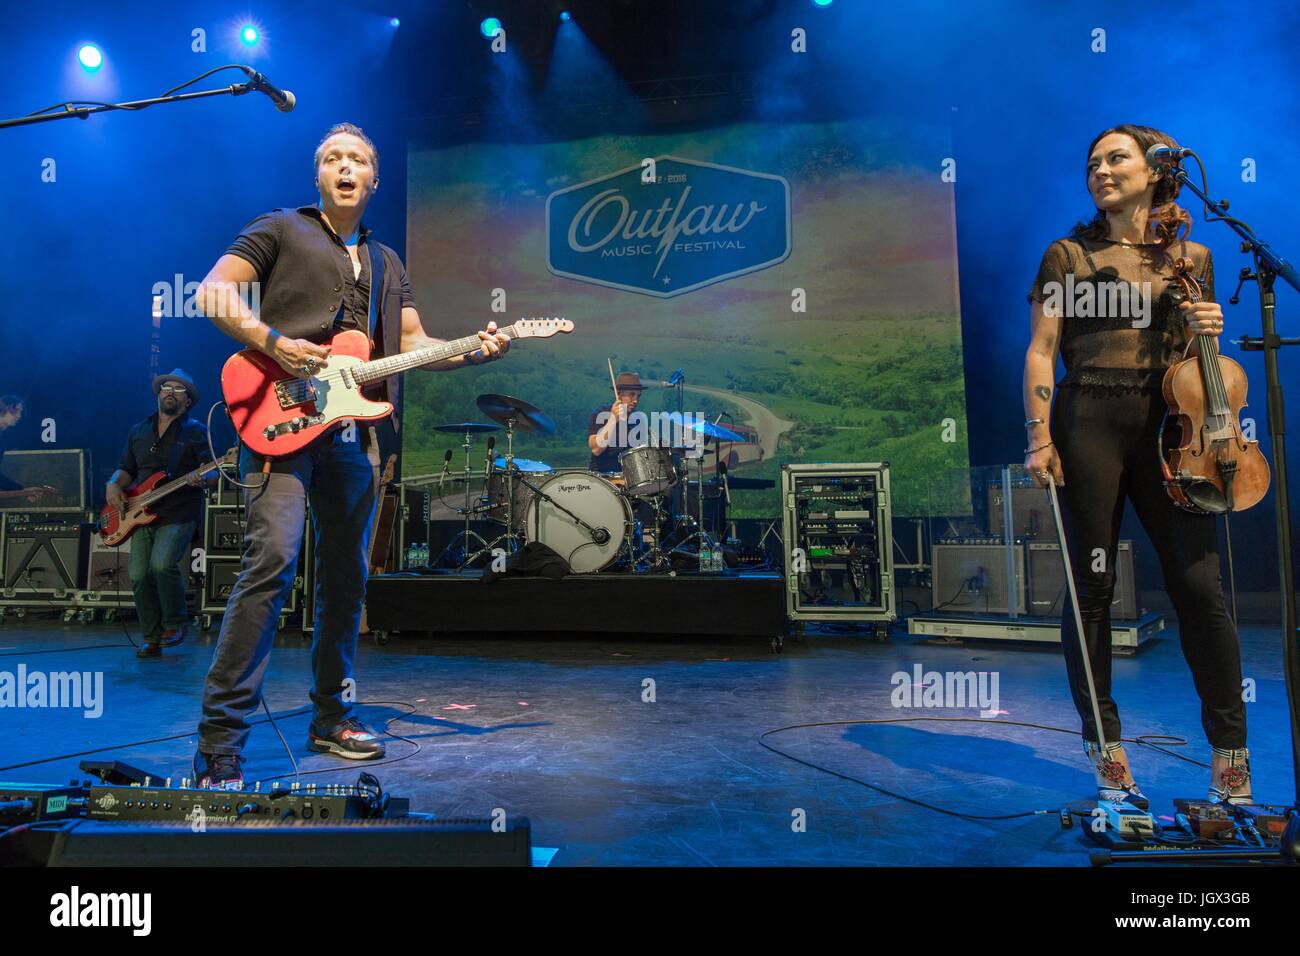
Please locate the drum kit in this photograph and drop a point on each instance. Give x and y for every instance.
(631, 520)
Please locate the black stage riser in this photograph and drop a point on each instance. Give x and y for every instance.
(744, 605)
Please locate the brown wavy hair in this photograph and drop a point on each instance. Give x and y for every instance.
(1169, 221)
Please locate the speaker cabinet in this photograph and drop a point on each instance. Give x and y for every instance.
(44, 557)
(972, 578)
(106, 569)
(1047, 582)
(67, 471)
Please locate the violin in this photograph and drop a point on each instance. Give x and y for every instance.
(1206, 462)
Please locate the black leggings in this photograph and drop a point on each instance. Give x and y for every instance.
(1107, 444)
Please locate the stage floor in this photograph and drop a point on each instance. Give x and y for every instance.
(557, 729)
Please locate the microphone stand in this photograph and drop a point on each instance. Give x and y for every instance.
(1268, 267)
(83, 112)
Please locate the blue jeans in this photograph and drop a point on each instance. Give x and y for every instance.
(154, 567)
(338, 478)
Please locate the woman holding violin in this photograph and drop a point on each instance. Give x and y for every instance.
(1107, 300)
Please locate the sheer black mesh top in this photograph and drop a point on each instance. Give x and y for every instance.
(1121, 327)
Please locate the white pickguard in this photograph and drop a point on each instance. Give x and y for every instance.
(335, 401)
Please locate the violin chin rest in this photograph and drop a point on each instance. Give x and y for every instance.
(1206, 496)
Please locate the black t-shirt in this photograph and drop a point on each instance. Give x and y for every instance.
(310, 287)
(607, 461)
(146, 453)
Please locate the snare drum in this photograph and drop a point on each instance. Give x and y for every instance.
(647, 470)
(594, 500)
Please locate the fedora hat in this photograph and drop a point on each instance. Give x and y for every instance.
(177, 375)
(629, 382)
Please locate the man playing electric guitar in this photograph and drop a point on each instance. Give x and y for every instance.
(320, 273)
(168, 440)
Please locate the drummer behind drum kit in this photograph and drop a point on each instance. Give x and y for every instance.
(594, 521)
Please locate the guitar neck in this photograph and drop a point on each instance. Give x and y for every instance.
(378, 369)
(163, 490)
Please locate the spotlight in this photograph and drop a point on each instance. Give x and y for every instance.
(249, 35)
(394, 23)
(90, 57)
(822, 3)
(490, 27)
(565, 16)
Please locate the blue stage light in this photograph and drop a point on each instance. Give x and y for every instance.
(394, 23)
(823, 3)
(565, 16)
(249, 35)
(490, 27)
(90, 57)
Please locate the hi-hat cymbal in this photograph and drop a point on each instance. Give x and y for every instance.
(460, 428)
(526, 417)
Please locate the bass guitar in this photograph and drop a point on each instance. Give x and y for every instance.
(117, 525)
(278, 415)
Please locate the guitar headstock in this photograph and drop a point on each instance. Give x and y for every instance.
(541, 328)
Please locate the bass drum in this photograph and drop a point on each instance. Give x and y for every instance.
(594, 500)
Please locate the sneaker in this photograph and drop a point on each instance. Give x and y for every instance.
(218, 771)
(1115, 782)
(148, 650)
(175, 635)
(351, 739)
(1230, 776)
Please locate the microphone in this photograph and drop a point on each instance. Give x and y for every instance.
(726, 488)
(446, 464)
(1162, 155)
(487, 465)
(284, 100)
(600, 535)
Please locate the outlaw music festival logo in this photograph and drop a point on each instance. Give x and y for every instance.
(694, 225)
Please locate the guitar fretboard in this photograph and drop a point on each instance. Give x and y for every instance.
(378, 369)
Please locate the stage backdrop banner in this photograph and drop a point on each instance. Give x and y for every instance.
(802, 277)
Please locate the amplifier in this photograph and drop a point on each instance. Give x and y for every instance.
(1031, 510)
(973, 578)
(224, 530)
(1047, 582)
(403, 841)
(187, 805)
(219, 578)
(42, 555)
(66, 470)
(106, 570)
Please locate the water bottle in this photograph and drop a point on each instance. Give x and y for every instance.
(412, 555)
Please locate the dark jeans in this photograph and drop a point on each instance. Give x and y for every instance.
(338, 478)
(1107, 444)
(154, 567)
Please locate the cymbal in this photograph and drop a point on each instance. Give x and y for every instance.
(460, 428)
(526, 417)
(710, 430)
(523, 464)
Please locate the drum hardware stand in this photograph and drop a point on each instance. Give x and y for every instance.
(702, 533)
(466, 511)
(509, 535)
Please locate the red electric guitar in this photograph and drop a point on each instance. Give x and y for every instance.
(278, 415)
(116, 526)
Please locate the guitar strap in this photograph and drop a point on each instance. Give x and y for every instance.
(376, 288)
